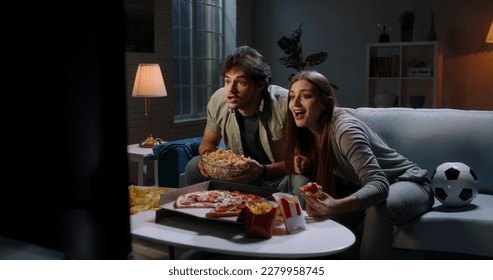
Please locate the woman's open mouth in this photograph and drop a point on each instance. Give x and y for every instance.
(299, 114)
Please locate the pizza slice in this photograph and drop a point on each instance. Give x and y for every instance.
(224, 203)
(225, 211)
(232, 205)
(201, 199)
(311, 189)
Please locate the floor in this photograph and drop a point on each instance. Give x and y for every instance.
(145, 250)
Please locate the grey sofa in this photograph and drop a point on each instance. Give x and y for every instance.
(430, 137)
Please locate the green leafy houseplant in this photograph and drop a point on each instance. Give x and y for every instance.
(293, 48)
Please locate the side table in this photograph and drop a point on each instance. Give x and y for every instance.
(143, 156)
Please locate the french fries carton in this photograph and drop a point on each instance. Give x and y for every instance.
(291, 211)
(260, 218)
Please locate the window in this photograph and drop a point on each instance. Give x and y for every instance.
(197, 52)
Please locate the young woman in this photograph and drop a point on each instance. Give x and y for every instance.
(324, 142)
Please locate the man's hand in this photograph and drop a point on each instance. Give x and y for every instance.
(255, 171)
(202, 170)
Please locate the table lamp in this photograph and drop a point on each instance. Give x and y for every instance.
(489, 37)
(149, 83)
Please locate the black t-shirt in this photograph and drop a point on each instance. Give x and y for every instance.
(250, 138)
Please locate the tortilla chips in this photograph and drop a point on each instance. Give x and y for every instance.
(144, 198)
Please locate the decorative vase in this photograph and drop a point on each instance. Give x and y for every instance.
(432, 35)
(417, 101)
(406, 35)
(406, 20)
(384, 37)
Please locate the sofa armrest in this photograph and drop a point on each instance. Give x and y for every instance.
(172, 158)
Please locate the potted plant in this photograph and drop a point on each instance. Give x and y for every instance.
(406, 20)
(293, 48)
(384, 36)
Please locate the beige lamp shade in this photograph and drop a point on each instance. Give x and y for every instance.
(489, 37)
(149, 81)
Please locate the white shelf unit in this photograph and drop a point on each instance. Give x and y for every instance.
(387, 72)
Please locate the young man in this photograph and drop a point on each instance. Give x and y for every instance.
(248, 114)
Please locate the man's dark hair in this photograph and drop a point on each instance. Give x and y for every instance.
(250, 61)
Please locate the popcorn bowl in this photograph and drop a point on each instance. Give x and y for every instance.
(224, 171)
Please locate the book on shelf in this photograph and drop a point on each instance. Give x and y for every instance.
(385, 66)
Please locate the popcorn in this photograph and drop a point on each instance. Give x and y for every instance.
(222, 157)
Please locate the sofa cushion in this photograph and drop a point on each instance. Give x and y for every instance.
(465, 230)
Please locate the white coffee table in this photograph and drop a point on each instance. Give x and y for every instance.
(320, 238)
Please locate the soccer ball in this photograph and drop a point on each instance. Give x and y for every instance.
(454, 184)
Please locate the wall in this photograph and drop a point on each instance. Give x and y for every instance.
(343, 28)
(162, 119)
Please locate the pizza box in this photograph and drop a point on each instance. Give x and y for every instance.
(167, 201)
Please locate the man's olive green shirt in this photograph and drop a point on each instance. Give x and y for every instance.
(272, 113)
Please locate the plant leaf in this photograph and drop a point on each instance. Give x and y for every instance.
(291, 76)
(292, 47)
(286, 45)
(297, 33)
(316, 58)
(292, 62)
